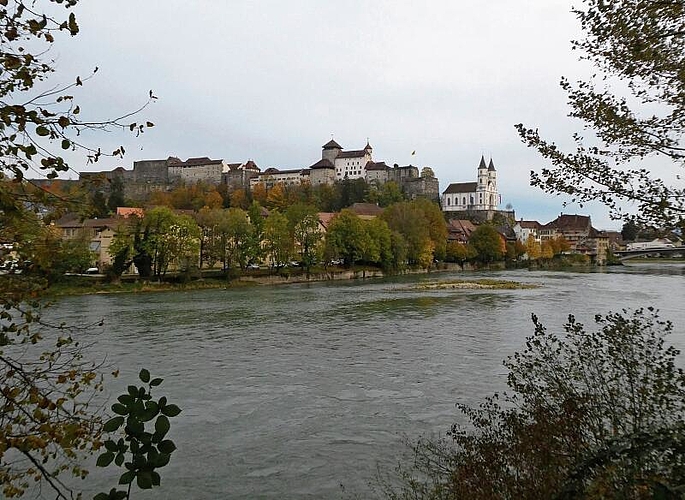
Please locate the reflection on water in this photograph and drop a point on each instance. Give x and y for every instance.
(287, 392)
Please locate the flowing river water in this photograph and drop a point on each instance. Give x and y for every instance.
(301, 391)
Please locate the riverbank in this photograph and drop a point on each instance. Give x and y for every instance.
(97, 284)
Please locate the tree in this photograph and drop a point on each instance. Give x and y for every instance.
(587, 414)
(437, 228)
(235, 238)
(410, 221)
(278, 240)
(307, 233)
(116, 194)
(533, 248)
(47, 423)
(630, 231)
(345, 236)
(487, 243)
(634, 107)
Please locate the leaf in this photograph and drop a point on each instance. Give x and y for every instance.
(66, 143)
(150, 124)
(73, 26)
(42, 130)
(167, 446)
(119, 409)
(113, 424)
(144, 375)
(125, 399)
(99, 496)
(171, 410)
(119, 459)
(156, 480)
(111, 446)
(127, 477)
(144, 480)
(105, 459)
(162, 425)
(156, 381)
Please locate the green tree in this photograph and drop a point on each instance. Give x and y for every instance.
(278, 240)
(487, 243)
(345, 237)
(630, 231)
(587, 414)
(116, 194)
(410, 221)
(379, 248)
(235, 238)
(634, 106)
(99, 205)
(437, 228)
(307, 233)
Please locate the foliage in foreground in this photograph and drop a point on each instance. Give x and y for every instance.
(141, 451)
(589, 414)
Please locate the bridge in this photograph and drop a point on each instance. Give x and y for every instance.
(629, 254)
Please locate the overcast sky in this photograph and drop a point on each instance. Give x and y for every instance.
(273, 81)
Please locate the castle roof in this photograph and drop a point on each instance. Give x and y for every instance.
(332, 145)
(202, 160)
(323, 163)
(482, 165)
(353, 154)
(380, 165)
(491, 166)
(461, 187)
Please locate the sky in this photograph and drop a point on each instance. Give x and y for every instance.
(273, 81)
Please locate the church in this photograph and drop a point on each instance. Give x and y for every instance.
(480, 196)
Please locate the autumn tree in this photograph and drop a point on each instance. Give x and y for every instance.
(47, 423)
(633, 108)
(533, 248)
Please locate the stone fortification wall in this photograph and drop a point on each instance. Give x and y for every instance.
(151, 171)
(427, 187)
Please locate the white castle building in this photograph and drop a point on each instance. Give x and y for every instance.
(473, 196)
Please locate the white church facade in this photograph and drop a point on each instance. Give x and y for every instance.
(481, 195)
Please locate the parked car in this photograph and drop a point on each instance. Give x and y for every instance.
(92, 270)
(253, 266)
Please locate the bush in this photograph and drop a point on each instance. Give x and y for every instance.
(589, 414)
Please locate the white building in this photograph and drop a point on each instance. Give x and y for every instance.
(526, 228)
(481, 195)
(347, 164)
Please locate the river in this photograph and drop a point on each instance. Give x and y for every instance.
(299, 391)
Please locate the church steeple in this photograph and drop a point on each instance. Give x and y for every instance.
(482, 165)
(491, 167)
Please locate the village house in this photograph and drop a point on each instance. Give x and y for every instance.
(524, 229)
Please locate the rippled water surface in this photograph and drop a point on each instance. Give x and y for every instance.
(300, 391)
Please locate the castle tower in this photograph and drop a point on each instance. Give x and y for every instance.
(331, 150)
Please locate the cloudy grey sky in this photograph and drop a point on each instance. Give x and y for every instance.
(272, 81)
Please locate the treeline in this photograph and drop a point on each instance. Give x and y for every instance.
(105, 197)
(407, 233)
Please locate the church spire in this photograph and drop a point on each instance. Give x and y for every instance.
(491, 167)
(482, 165)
